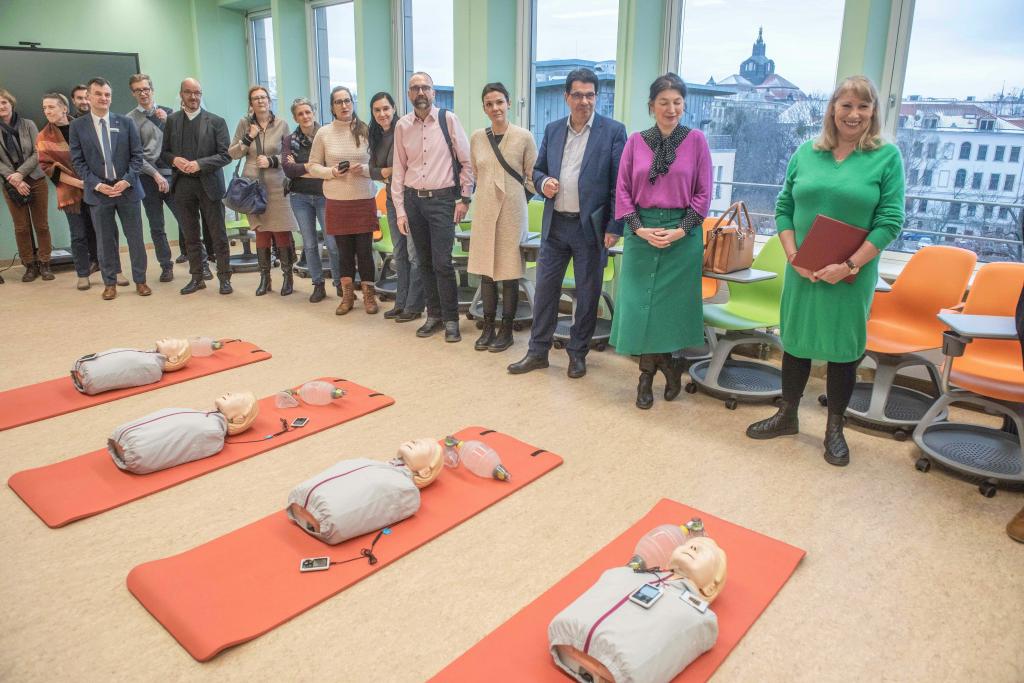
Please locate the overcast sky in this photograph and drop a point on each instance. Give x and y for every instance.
(957, 48)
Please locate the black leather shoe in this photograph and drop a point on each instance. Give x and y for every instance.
(782, 423)
(527, 364)
(167, 274)
(451, 331)
(672, 368)
(393, 313)
(194, 285)
(207, 275)
(577, 367)
(486, 336)
(319, 293)
(836, 451)
(644, 388)
(225, 284)
(428, 328)
(407, 316)
(182, 258)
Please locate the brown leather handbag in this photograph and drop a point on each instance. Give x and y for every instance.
(730, 243)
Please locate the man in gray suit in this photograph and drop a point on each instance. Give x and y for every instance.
(195, 146)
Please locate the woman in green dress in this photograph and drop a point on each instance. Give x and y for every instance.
(850, 174)
(663, 193)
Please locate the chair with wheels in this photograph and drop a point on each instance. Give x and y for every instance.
(751, 307)
(902, 324)
(387, 282)
(246, 261)
(983, 369)
(708, 289)
(603, 329)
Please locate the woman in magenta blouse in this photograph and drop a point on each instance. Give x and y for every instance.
(663, 193)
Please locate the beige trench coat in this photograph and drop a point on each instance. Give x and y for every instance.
(278, 217)
(500, 215)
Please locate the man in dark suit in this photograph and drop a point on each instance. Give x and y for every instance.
(195, 146)
(576, 170)
(106, 151)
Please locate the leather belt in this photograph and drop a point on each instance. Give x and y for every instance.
(431, 194)
(568, 214)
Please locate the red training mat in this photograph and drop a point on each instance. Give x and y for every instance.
(245, 583)
(518, 649)
(58, 396)
(81, 487)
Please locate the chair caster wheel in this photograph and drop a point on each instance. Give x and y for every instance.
(470, 316)
(823, 400)
(479, 324)
(601, 347)
(730, 404)
(987, 489)
(923, 464)
(558, 344)
(900, 435)
(777, 401)
(690, 388)
(518, 327)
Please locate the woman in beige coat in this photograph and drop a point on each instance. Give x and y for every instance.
(500, 215)
(259, 137)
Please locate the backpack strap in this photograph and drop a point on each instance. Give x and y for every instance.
(456, 165)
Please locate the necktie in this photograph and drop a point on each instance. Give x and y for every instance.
(108, 163)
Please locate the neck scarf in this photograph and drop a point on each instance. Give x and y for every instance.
(54, 153)
(301, 143)
(664, 149)
(12, 143)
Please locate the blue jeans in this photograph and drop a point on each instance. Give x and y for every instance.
(409, 294)
(80, 225)
(153, 202)
(308, 209)
(130, 213)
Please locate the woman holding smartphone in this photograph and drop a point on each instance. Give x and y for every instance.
(260, 137)
(341, 157)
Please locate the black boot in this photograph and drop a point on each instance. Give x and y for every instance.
(503, 339)
(225, 283)
(782, 423)
(319, 293)
(486, 336)
(287, 274)
(644, 394)
(836, 451)
(194, 285)
(263, 259)
(31, 272)
(672, 368)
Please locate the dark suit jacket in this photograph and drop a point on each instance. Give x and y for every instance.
(87, 158)
(212, 145)
(598, 174)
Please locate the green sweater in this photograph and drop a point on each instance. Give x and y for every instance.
(819, 320)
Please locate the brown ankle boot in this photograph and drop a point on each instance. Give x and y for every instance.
(348, 297)
(369, 297)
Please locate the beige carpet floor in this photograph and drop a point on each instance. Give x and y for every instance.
(908, 577)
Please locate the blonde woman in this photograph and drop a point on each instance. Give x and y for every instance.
(849, 173)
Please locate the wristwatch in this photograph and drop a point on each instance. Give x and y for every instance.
(853, 269)
(465, 200)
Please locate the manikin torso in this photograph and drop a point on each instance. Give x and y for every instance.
(124, 368)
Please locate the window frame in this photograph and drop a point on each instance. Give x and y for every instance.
(312, 56)
(250, 19)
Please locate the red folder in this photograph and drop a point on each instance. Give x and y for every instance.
(829, 241)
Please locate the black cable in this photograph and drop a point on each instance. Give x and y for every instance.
(366, 552)
(284, 428)
(10, 265)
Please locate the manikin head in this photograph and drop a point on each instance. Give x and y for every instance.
(177, 351)
(425, 458)
(240, 409)
(701, 562)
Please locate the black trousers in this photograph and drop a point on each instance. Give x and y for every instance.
(839, 382)
(353, 249)
(191, 202)
(432, 228)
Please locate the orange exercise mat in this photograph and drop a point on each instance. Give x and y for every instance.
(518, 649)
(245, 583)
(58, 396)
(81, 487)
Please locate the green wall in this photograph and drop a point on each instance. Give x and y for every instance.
(174, 39)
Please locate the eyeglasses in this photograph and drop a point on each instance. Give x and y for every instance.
(580, 96)
(139, 91)
(343, 102)
(197, 93)
(260, 98)
(421, 88)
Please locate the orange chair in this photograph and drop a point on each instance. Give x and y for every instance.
(903, 323)
(382, 210)
(708, 286)
(987, 373)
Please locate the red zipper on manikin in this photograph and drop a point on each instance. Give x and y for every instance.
(336, 476)
(616, 606)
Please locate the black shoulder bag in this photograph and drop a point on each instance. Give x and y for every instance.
(505, 165)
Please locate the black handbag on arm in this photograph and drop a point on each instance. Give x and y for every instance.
(505, 165)
(247, 195)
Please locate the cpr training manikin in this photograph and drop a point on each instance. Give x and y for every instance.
(355, 497)
(123, 368)
(174, 436)
(643, 626)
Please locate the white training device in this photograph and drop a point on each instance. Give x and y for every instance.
(646, 595)
(315, 564)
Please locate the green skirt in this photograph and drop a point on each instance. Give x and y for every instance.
(659, 307)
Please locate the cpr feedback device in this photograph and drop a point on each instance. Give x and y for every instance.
(300, 422)
(315, 564)
(646, 595)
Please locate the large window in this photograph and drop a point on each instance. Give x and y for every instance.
(969, 98)
(570, 34)
(430, 47)
(261, 54)
(753, 90)
(335, 31)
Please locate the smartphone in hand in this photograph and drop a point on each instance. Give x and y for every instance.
(343, 166)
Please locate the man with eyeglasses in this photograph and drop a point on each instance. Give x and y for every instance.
(150, 118)
(195, 146)
(576, 170)
(432, 180)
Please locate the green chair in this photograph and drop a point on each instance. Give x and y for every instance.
(387, 283)
(246, 261)
(751, 307)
